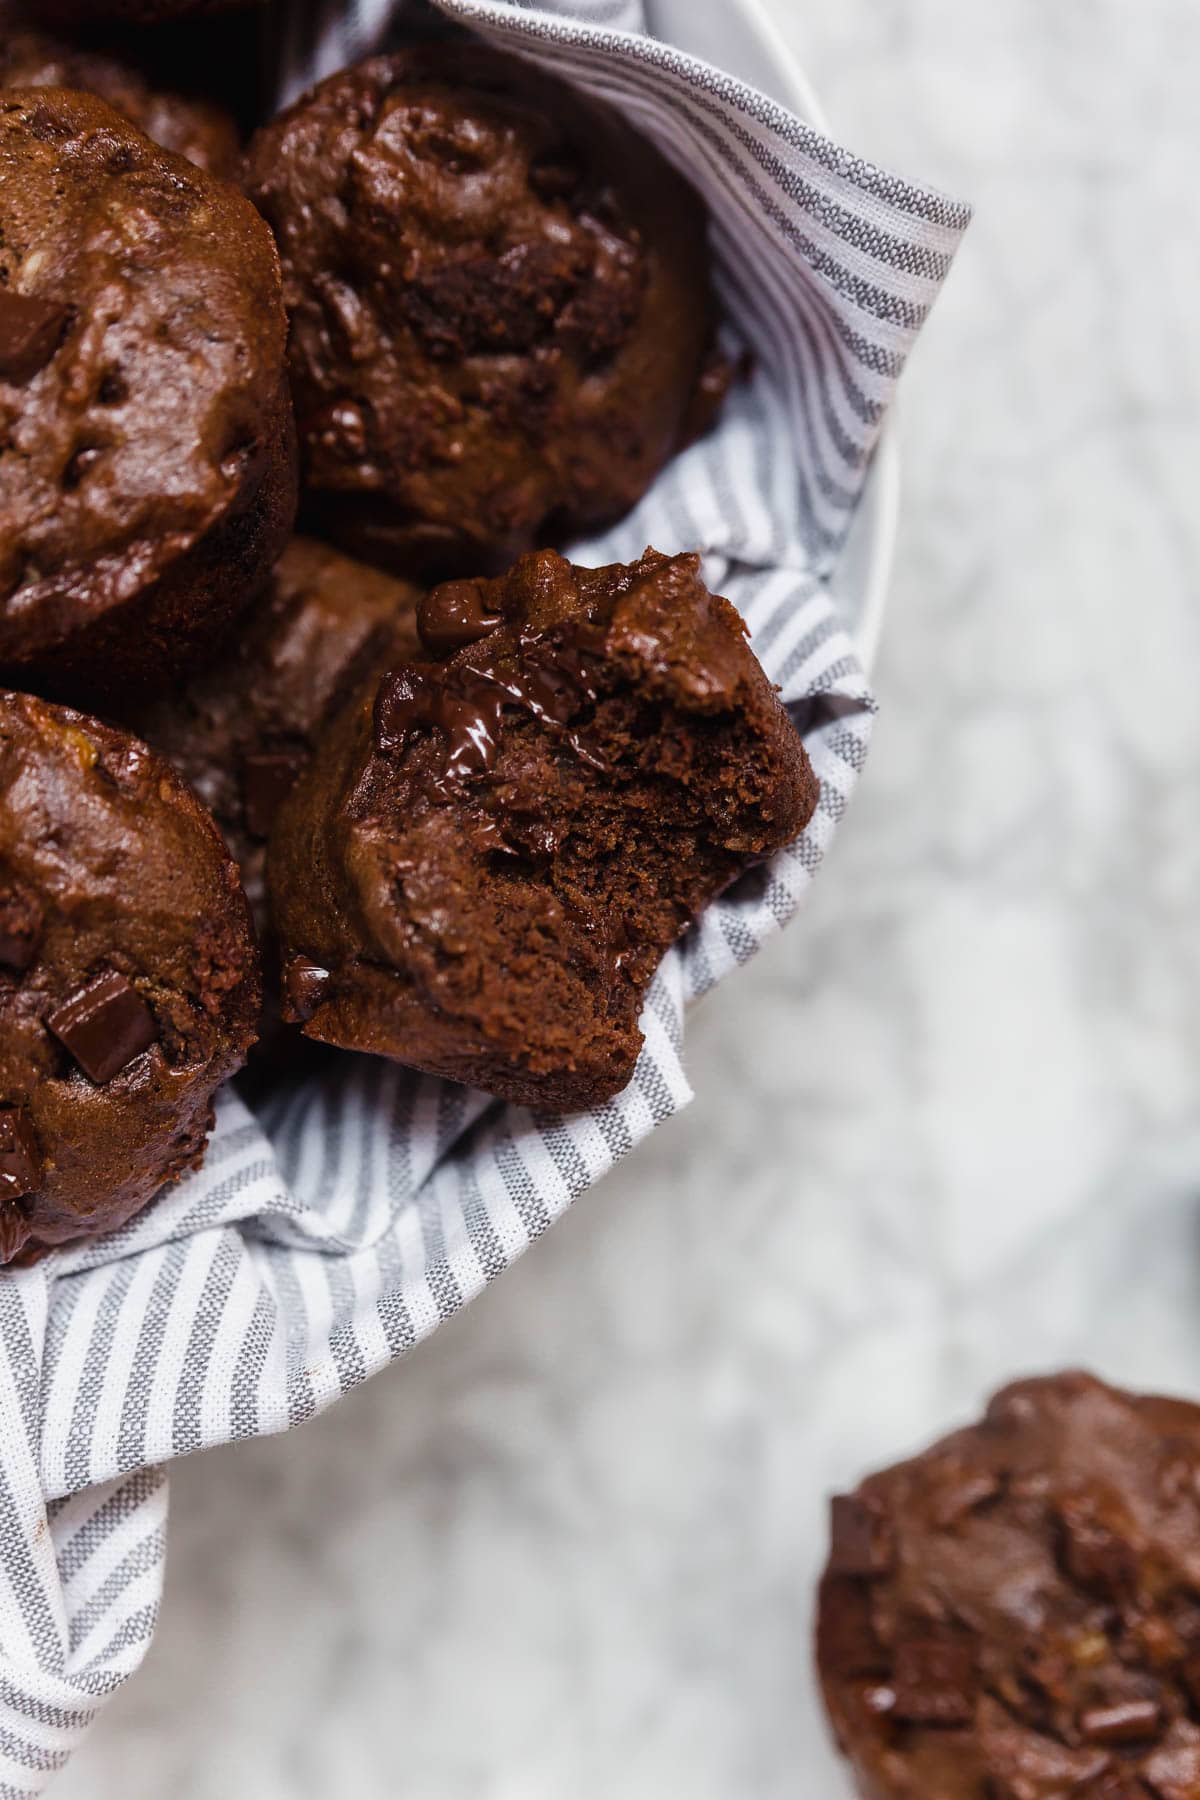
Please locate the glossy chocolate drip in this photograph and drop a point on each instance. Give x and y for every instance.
(469, 718)
(453, 615)
(304, 985)
(552, 681)
(30, 330)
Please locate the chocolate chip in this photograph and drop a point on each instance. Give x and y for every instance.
(1128, 1722)
(934, 1682)
(30, 330)
(452, 615)
(20, 928)
(20, 1163)
(860, 1540)
(104, 1026)
(268, 777)
(304, 983)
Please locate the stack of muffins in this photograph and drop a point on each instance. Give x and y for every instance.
(410, 783)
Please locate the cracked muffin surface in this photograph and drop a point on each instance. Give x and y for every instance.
(501, 316)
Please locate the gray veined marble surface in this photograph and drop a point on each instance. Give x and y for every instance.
(948, 1128)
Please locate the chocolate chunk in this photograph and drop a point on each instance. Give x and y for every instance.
(30, 330)
(453, 615)
(1092, 1550)
(104, 1026)
(846, 1636)
(20, 1163)
(304, 983)
(934, 1682)
(268, 777)
(20, 928)
(1128, 1722)
(469, 718)
(860, 1541)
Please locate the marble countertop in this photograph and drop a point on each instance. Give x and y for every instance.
(948, 1128)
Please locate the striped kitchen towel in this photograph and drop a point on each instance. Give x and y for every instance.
(337, 1226)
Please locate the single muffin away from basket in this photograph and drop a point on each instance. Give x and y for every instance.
(133, 12)
(147, 457)
(1015, 1614)
(241, 731)
(193, 127)
(489, 854)
(501, 314)
(129, 981)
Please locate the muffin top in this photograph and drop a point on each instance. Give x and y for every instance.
(193, 127)
(141, 349)
(499, 299)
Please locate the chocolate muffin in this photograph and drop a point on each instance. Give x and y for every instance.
(501, 318)
(241, 731)
(1015, 1614)
(129, 984)
(147, 465)
(488, 856)
(193, 127)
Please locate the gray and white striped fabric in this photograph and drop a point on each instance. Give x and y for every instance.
(331, 1232)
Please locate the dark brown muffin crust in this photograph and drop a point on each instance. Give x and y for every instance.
(489, 855)
(192, 127)
(1015, 1614)
(147, 474)
(129, 985)
(499, 301)
(241, 731)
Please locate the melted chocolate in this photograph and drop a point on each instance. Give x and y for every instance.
(30, 332)
(553, 681)
(104, 1026)
(452, 615)
(268, 777)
